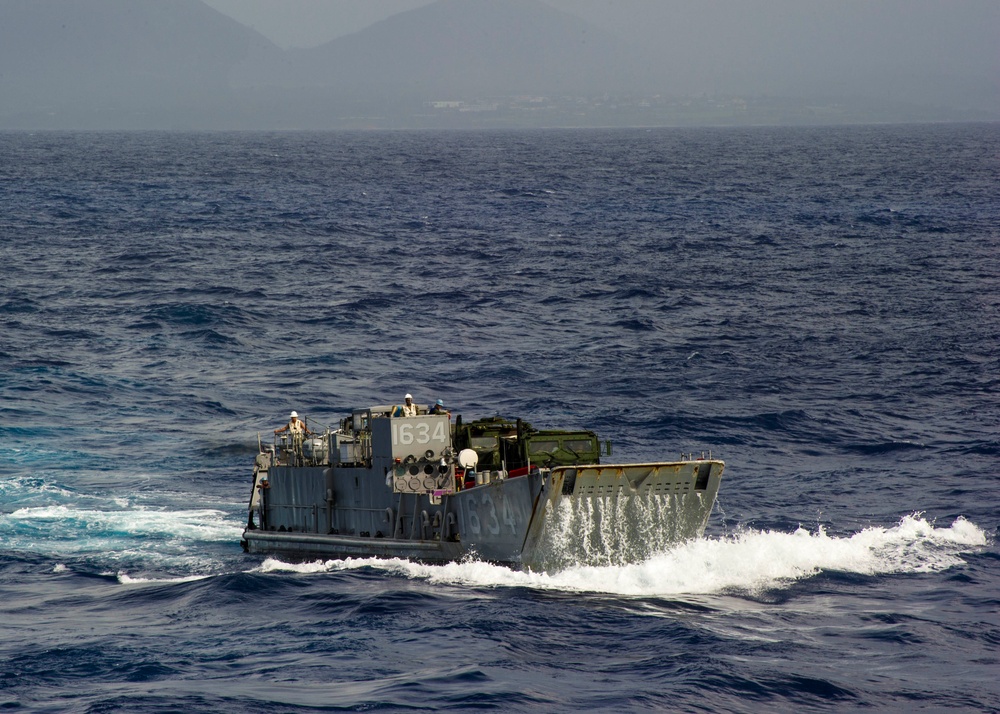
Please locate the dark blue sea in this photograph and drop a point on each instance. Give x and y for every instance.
(818, 307)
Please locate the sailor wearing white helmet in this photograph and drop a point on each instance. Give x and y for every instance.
(407, 409)
(295, 426)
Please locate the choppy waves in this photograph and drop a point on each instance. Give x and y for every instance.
(816, 306)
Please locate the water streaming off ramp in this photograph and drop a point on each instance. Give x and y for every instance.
(615, 530)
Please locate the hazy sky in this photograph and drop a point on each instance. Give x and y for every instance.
(844, 43)
(306, 23)
(898, 53)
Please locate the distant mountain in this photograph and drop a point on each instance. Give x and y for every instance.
(470, 48)
(119, 63)
(181, 64)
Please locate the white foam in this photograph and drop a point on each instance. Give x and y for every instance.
(126, 579)
(196, 525)
(178, 542)
(749, 561)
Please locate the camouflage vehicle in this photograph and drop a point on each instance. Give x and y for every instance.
(514, 444)
(497, 489)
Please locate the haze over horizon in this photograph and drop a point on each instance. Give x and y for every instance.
(307, 63)
(842, 39)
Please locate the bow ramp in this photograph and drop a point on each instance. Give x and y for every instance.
(612, 514)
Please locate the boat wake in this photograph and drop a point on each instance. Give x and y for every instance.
(142, 545)
(180, 542)
(748, 562)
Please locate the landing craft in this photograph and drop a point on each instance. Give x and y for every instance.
(496, 489)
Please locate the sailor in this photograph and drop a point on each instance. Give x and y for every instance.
(438, 408)
(408, 409)
(295, 426)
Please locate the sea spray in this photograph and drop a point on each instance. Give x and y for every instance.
(750, 561)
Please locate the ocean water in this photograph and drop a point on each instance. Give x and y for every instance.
(819, 307)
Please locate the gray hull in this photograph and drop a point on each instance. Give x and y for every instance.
(546, 519)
